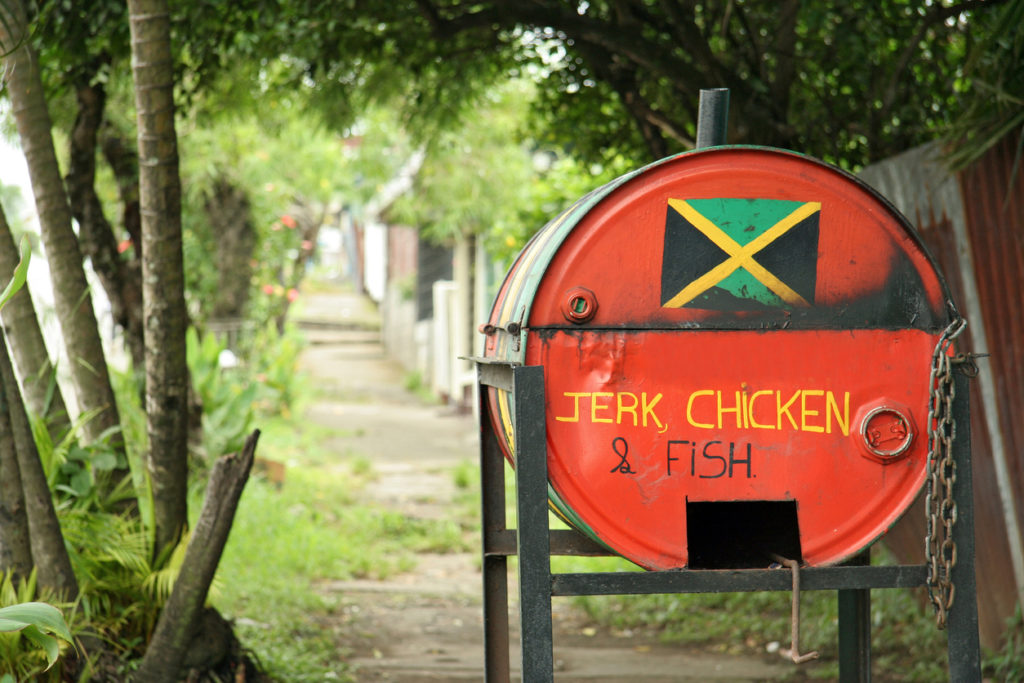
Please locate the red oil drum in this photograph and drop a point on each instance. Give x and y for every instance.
(736, 345)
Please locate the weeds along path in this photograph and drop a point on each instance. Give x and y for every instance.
(426, 624)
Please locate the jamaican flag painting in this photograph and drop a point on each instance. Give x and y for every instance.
(740, 254)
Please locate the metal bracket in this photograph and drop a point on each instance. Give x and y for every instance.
(794, 651)
(513, 328)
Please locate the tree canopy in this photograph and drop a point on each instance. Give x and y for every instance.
(848, 82)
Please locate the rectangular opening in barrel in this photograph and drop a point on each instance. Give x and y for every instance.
(741, 534)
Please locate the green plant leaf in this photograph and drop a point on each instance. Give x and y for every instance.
(104, 461)
(20, 273)
(40, 623)
(16, 617)
(43, 641)
(81, 482)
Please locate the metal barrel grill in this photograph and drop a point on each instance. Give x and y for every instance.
(736, 345)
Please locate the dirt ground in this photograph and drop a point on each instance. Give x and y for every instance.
(426, 625)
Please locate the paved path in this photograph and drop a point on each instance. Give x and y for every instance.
(427, 625)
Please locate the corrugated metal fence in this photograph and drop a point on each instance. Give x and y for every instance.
(973, 224)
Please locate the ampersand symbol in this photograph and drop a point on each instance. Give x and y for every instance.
(623, 466)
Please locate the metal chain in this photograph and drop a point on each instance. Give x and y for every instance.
(940, 550)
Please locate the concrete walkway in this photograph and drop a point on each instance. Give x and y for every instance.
(427, 625)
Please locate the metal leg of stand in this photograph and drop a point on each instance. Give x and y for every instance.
(495, 567)
(534, 536)
(855, 629)
(496, 665)
(962, 623)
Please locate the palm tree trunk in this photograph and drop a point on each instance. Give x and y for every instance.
(181, 615)
(87, 362)
(121, 155)
(230, 215)
(25, 338)
(163, 276)
(53, 566)
(15, 550)
(120, 281)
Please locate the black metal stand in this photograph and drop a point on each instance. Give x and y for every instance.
(535, 543)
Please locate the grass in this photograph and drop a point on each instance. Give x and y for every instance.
(413, 383)
(311, 528)
(906, 646)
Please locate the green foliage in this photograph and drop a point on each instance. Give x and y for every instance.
(407, 286)
(309, 531)
(476, 177)
(1007, 665)
(487, 178)
(274, 358)
(293, 170)
(17, 280)
(122, 589)
(850, 82)
(465, 475)
(266, 380)
(551, 190)
(136, 439)
(30, 632)
(228, 401)
(78, 474)
(414, 384)
(80, 42)
(906, 643)
(110, 554)
(381, 54)
(992, 89)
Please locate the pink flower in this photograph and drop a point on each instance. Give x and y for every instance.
(307, 245)
(288, 221)
(293, 294)
(268, 289)
(124, 246)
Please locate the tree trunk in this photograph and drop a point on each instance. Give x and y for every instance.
(182, 612)
(15, 550)
(121, 156)
(87, 363)
(25, 337)
(162, 270)
(231, 219)
(310, 226)
(53, 566)
(122, 283)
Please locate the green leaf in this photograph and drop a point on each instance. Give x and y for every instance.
(20, 273)
(46, 617)
(37, 621)
(45, 642)
(78, 453)
(81, 482)
(104, 461)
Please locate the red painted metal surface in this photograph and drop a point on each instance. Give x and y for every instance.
(728, 326)
(634, 438)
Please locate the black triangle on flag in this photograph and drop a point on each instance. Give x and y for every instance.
(688, 254)
(793, 257)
